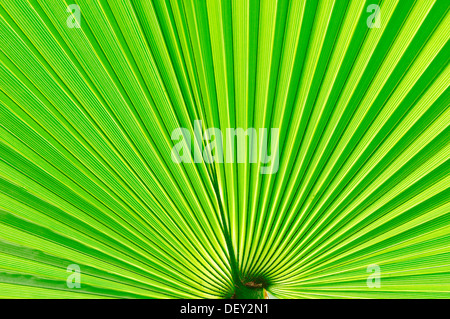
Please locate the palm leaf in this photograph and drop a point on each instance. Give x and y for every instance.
(87, 178)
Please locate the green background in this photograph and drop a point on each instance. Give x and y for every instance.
(86, 175)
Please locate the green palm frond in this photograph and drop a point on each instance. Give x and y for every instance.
(87, 177)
